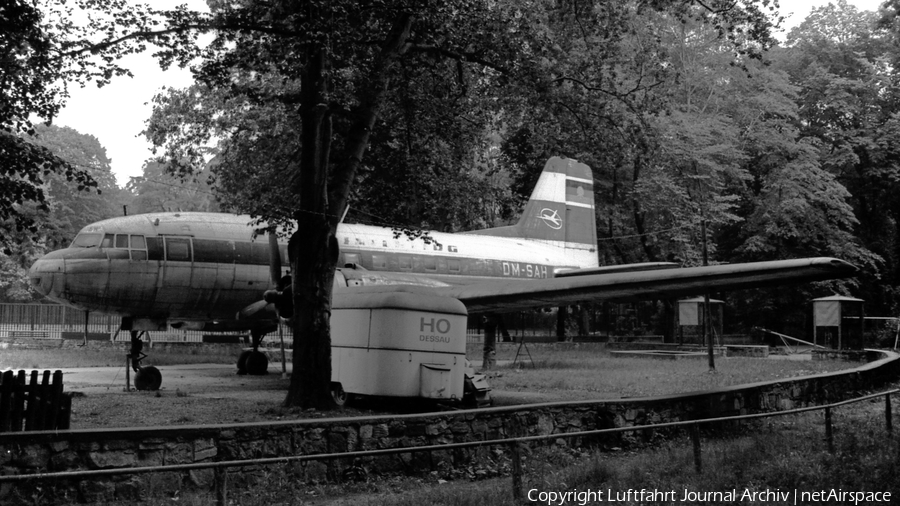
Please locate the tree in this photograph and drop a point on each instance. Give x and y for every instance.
(65, 210)
(34, 83)
(328, 68)
(158, 190)
(848, 101)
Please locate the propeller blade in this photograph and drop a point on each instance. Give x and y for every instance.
(254, 309)
(274, 258)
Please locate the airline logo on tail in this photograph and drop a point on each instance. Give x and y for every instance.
(560, 213)
(551, 218)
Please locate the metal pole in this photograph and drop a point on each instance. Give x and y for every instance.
(221, 486)
(128, 372)
(887, 413)
(695, 438)
(862, 325)
(87, 315)
(283, 358)
(516, 449)
(706, 333)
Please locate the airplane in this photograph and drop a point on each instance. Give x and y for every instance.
(212, 271)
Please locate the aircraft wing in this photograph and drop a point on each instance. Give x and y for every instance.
(505, 296)
(612, 269)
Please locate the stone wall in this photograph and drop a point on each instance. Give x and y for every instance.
(36, 452)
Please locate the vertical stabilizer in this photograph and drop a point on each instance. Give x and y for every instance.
(560, 212)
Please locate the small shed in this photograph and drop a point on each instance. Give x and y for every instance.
(839, 322)
(690, 318)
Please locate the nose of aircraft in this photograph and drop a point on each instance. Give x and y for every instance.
(45, 270)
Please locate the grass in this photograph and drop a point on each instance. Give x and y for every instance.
(588, 371)
(784, 455)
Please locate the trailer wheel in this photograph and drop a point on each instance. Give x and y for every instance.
(338, 394)
(257, 363)
(148, 378)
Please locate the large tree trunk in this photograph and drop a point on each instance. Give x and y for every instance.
(313, 277)
(313, 248)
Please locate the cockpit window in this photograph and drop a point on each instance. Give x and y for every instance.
(122, 241)
(86, 241)
(107, 241)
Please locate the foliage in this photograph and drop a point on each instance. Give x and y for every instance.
(158, 190)
(64, 211)
(847, 106)
(34, 82)
(290, 97)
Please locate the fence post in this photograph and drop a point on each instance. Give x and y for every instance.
(829, 435)
(6, 395)
(887, 413)
(221, 486)
(516, 448)
(31, 412)
(18, 407)
(695, 438)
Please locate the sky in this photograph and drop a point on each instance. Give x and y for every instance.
(116, 114)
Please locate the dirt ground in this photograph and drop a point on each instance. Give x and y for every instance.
(189, 395)
(200, 394)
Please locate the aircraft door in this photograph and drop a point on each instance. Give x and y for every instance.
(175, 282)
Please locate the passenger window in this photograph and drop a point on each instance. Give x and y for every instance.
(122, 241)
(453, 265)
(351, 258)
(137, 242)
(107, 241)
(429, 263)
(178, 249)
(405, 262)
(379, 262)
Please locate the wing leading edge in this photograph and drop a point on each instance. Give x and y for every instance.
(508, 296)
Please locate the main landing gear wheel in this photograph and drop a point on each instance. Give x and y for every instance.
(242, 362)
(148, 378)
(257, 363)
(338, 395)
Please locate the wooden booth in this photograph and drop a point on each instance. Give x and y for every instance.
(839, 322)
(691, 320)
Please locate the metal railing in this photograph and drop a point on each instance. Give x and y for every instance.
(515, 445)
(54, 322)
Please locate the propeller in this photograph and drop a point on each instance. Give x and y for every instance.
(280, 291)
(282, 294)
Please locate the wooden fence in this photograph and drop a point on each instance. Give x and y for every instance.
(33, 406)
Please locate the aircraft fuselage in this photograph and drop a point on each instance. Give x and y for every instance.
(208, 266)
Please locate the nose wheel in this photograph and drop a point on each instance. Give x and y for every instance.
(148, 378)
(145, 378)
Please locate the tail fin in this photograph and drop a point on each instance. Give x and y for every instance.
(560, 212)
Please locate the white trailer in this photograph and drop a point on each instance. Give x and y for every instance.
(396, 342)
